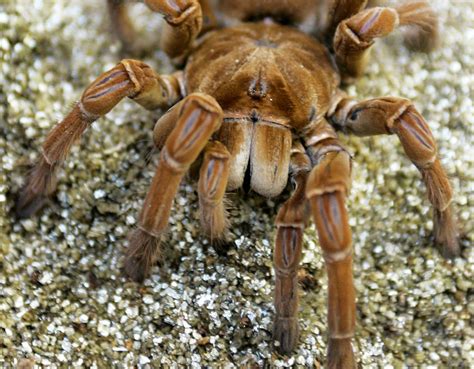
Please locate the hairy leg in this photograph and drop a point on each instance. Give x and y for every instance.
(421, 31)
(213, 178)
(199, 116)
(337, 11)
(326, 190)
(129, 78)
(291, 221)
(184, 22)
(355, 36)
(393, 115)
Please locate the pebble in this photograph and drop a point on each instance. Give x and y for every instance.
(148, 299)
(104, 328)
(18, 303)
(98, 194)
(46, 278)
(132, 311)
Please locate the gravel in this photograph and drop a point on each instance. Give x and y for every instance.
(64, 301)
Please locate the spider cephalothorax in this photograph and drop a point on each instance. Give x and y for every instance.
(255, 105)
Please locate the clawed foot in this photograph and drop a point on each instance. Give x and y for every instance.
(36, 192)
(142, 253)
(222, 246)
(340, 355)
(286, 332)
(29, 203)
(446, 234)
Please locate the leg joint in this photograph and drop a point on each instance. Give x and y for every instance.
(336, 256)
(372, 23)
(135, 70)
(85, 115)
(341, 336)
(331, 174)
(204, 102)
(198, 118)
(416, 137)
(151, 90)
(175, 166)
(150, 233)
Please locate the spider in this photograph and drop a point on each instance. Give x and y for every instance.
(257, 103)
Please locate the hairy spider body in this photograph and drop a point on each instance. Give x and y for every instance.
(271, 82)
(255, 105)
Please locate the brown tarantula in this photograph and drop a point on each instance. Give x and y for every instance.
(258, 102)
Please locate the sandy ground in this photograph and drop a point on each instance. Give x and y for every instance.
(63, 299)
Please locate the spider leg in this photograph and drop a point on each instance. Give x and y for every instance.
(393, 115)
(336, 11)
(213, 178)
(209, 19)
(355, 36)
(122, 26)
(184, 22)
(199, 116)
(326, 189)
(128, 78)
(291, 221)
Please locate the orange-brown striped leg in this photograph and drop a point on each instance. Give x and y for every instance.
(184, 21)
(128, 78)
(392, 115)
(213, 178)
(183, 24)
(336, 11)
(355, 36)
(291, 221)
(199, 116)
(326, 190)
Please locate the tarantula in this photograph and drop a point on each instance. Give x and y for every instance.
(258, 103)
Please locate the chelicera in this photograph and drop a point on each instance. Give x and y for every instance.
(257, 103)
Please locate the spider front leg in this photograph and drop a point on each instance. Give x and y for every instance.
(392, 115)
(291, 221)
(337, 11)
(128, 78)
(355, 36)
(198, 117)
(326, 190)
(183, 24)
